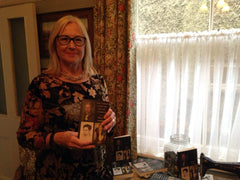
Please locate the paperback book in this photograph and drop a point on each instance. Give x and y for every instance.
(121, 170)
(159, 175)
(92, 115)
(122, 157)
(188, 164)
(145, 166)
(122, 148)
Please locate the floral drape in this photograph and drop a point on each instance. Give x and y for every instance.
(114, 59)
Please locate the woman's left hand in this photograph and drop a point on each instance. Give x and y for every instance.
(109, 120)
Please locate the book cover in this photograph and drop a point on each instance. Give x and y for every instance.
(121, 170)
(145, 166)
(170, 161)
(92, 115)
(188, 164)
(159, 175)
(122, 148)
(122, 156)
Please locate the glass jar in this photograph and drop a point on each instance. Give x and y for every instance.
(177, 143)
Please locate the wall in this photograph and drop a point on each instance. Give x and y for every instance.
(46, 6)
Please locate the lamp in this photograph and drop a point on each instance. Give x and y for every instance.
(223, 5)
(204, 6)
(220, 4)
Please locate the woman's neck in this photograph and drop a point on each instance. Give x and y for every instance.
(72, 73)
(72, 69)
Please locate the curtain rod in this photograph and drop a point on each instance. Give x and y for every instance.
(191, 34)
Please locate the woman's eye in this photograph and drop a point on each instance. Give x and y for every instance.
(78, 39)
(64, 39)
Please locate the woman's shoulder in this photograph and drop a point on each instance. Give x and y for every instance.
(41, 78)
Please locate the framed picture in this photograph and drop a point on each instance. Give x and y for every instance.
(46, 22)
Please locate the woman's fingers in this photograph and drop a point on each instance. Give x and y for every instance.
(70, 140)
(109, 113)
(77, 143)
(82, 145)
(110, 120)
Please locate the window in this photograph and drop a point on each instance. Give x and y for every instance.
(175, 16)
(188, 76)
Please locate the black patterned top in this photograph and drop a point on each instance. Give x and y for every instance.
(52, 105)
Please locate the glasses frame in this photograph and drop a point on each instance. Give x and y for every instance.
(70, 39)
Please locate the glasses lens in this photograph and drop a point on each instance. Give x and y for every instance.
(63, 40)
(79, 41)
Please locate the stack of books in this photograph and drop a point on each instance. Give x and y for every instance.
(144, 166)
(157, 176)
(153, 168)
(122, 156)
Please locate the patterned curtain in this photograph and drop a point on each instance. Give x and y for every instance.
(114, 58)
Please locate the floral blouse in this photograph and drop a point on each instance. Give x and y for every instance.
(53, 105)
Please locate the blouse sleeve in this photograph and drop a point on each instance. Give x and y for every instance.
(31, 133)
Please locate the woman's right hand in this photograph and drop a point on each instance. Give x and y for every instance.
(70, 140)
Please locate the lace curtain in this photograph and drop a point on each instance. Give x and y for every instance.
(189, 83)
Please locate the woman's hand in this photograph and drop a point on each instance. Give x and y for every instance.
(109, 120)
(70, 140)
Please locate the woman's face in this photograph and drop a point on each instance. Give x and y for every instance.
(70, 54)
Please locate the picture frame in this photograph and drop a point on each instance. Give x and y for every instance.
(46, 22)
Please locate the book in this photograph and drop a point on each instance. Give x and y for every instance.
(187, 163)
(122, 157)
(122, 148)
(159, 175)
(92, 115)
(145, 166)
(121, 170)
(170, 161)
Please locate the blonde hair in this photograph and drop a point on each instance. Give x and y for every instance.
(54, 64)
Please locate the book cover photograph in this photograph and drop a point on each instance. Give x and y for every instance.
(188, 164)
(92, 115)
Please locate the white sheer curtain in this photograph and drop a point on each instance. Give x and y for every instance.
(190, 84)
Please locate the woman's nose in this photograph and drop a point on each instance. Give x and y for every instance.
(72, 44)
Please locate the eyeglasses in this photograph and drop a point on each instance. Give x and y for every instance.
(65, 40)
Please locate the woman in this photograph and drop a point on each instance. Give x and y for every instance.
(50, 116)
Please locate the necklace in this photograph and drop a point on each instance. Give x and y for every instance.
(70, 77)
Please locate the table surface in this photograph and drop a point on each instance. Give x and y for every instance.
(211, 175)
